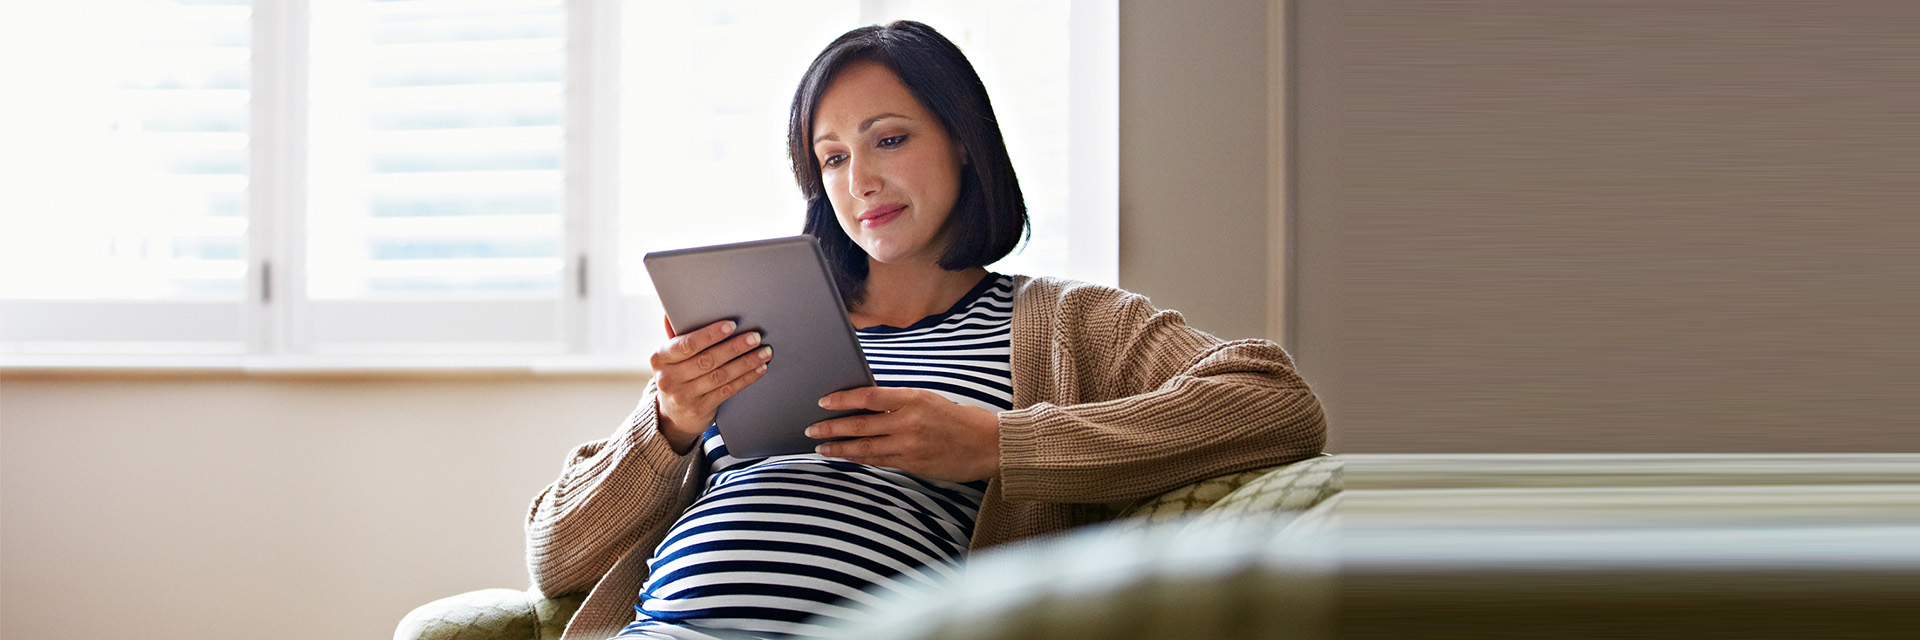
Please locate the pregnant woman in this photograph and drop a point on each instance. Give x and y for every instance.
(1008, 406)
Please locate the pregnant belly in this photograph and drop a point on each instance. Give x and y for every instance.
(770, 547)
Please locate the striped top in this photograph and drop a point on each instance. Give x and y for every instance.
(773, 542)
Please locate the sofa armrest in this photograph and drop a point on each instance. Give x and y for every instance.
(490, 614)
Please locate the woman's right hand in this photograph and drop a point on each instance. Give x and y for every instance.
(697, 371)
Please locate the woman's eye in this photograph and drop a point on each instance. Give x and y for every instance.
(833, 160)
(892, 141)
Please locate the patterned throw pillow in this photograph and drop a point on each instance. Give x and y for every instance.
(1294, 488)
(1285, 488)
(490, 614)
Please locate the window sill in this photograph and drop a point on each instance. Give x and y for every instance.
(566, 365)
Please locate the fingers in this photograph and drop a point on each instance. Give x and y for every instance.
(860, 450)
(694, 403)
(687, 380)
(886, 400)
(848, 427)
(930, 437)
(709, 369)
(718, 385)
(871, 398)
(685, 347)
(690, 369)
(698, 370)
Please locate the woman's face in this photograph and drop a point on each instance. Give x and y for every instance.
(890, 169)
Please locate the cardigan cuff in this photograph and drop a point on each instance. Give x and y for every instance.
(1022, 450)
(642, 435)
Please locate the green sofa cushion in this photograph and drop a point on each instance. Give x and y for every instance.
(1289, 488)
(490, 614)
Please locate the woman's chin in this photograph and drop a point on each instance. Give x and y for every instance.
(884, 256)
(881, 252)
(885, 260)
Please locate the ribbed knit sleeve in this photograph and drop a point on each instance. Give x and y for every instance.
(1123, 401)
(611, 494)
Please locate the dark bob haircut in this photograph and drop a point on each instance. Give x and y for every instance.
(989, 218)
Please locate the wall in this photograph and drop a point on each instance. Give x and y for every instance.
(219, 506)
(1608, 226)
(1193, 160)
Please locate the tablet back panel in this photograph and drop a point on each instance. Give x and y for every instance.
(782, 289)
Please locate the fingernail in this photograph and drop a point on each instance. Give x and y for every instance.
(822, 450)
(823, 403)
(812, 432)
(728, 327)
(753, 338)
(766, 353)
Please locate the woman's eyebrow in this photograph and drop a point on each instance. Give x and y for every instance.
(864, 126)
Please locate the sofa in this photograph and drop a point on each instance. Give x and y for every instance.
(1425, 546)
(513, 614)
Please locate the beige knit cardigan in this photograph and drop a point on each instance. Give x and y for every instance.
(1114, 400)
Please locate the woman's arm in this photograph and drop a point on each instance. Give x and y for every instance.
(1141, 403)
(611, 494)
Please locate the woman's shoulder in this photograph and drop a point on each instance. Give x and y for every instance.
(1057, 297)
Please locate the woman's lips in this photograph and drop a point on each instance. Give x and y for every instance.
(881, 215)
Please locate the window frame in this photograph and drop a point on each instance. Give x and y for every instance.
(594, 319)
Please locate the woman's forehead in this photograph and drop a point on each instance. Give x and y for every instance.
(861, 95)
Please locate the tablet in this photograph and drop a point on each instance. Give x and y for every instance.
(782, 289)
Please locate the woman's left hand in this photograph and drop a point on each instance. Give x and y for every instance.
(919, 431)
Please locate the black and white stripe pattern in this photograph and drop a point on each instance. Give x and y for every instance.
(963, 354)
(774, 542)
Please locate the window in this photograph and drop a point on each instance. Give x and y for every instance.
(306, 183)
(124, 224)
(435, 209)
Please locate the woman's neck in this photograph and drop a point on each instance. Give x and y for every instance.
(898, 296)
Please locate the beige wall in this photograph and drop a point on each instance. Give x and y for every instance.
(1609, 226)
(1544, 226)
(1519, 226)
(223, 507)
(1193, 160)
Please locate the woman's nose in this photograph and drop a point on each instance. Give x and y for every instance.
(862, 179)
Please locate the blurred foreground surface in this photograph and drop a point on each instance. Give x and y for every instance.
(1643, 546)
(1487, 546)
